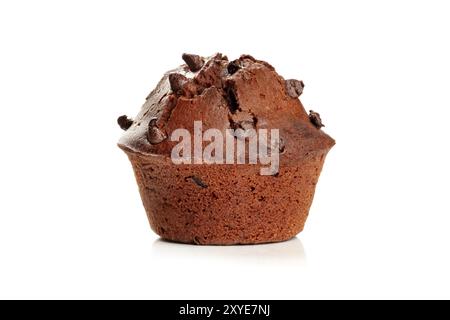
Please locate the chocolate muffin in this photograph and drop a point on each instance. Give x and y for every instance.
(225, 202)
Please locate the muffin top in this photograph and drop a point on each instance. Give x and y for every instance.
(244, 93)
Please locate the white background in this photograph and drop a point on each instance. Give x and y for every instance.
(71, 220)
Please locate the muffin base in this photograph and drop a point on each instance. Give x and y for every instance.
(225, 204)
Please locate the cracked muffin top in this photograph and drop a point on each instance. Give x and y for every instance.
(244, 93)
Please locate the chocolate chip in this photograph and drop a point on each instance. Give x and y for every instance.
(197, 181)
(154, 134)
(248, 57)
(314, 117)
(177, 81)
(193, 61)
(294, 87)
(233, 66)
(152, 122)
(124, 122)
